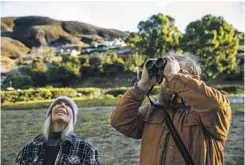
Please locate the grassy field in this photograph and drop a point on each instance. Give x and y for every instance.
(20, 126)
(31, 105)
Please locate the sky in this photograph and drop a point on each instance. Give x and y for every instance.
(125, 15)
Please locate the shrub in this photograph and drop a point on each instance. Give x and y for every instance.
(112, 69)
(88, 70)
(20, 61)
(10, 96)
(115, 91)
(36, 94)
(108, 96)
(18, 81)
(230, 89)
(45, 104)
(89, 91)
(83, 60)
(63, 92)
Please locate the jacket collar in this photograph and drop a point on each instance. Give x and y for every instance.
(39, 140)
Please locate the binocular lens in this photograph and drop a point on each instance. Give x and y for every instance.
(149, 64)
(161, 62)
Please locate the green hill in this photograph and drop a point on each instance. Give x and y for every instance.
(20, 34)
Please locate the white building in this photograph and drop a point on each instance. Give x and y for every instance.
(113, 43)
(67, 50)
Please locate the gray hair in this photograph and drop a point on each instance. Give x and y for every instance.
(192, 65)
(47, 126)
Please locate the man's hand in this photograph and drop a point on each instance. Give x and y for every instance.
(145, 82)
(172, 68)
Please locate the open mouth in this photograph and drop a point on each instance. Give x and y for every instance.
(61, 111)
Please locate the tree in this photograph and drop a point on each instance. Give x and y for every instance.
(18, 81)
(112, 64)
(133, 63)
(67, 72)
(49, 52)
(215, 43)
(240, 36)
(38, 72)
(158, 35)
(133, 41)
(109, 58)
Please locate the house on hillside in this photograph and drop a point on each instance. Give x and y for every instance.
(70, 50)
(118, 42)
(117, 45)
(114, 43)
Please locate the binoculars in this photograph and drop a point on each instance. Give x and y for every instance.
(155, 68)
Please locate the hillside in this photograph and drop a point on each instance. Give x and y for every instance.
(37, 28)
(11, 49)
(20, 34)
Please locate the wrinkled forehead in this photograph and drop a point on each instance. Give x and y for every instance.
(61, 101)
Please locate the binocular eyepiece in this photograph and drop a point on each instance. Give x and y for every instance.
(155, 68)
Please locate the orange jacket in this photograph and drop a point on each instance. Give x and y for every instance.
(204, 130)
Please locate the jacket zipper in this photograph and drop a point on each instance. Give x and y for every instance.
(164, 152)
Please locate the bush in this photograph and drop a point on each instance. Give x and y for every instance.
(83, 60)
(18, 81)
(10, 96)
(230, 89)
(108, 96)
(112, 69)
(36, 94)
(115, 91)
(45, 104)
(63, 92)
(20, 61)
(38, 72)
(66, 74)
(89, 91)
(92, 70)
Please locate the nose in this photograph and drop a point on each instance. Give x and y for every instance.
(63, 104)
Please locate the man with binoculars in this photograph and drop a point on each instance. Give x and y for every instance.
(200, 115)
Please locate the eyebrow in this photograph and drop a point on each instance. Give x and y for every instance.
(62, 101)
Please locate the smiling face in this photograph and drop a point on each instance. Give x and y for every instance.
(61, 112)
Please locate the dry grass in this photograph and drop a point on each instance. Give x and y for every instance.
(12, 48)
(33, 30)
(54, 32)
(7, 24)
(7, 64)
(20, 126)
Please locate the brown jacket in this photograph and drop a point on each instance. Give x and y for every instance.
(203, 130)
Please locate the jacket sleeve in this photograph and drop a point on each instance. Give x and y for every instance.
(212, 107)
(92, 157)
(23, 155)
(128, 117)
(18, 160)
